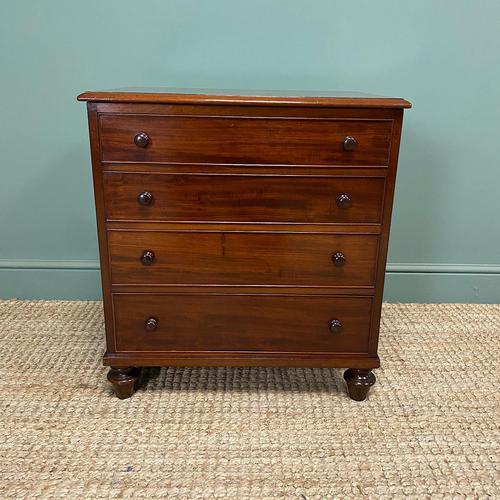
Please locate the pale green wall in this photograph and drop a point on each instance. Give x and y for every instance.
(444, 56)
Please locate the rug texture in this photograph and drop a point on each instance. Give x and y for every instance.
(429, 429)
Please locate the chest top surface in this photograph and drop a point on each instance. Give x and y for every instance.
(258, 97)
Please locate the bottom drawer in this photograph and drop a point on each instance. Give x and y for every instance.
(271, 323)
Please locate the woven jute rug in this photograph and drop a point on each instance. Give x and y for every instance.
(429, 429)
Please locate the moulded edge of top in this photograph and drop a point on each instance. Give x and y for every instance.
(361, 101)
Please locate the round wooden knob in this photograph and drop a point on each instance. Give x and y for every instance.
(338, 258)
(335, 325)
(148, 257)
(350, 143)
(151, 324)
(145, 198)
(343, 201)
(141, 140)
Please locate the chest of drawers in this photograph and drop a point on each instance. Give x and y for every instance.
(243, 228)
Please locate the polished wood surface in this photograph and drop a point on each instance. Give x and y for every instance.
(292, 141)
(359, 382)
(244, 97)
(123, 380)
(235, 258)
(243, 229)
(243, 198)
(241, 358)
(224, 322)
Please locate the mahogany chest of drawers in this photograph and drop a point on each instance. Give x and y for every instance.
(244, 229)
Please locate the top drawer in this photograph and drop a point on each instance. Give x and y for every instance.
(244, 140)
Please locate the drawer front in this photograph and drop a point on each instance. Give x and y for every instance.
(243, 198)
(145, 322)
(244, 140)
(232, 258)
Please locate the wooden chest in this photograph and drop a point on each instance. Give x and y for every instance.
(240, 228)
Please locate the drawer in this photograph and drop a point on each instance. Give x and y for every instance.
(244, 140)
(238, 258)
(155, 322)
(243, 198)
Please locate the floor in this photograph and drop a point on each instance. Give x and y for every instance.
(429, 429)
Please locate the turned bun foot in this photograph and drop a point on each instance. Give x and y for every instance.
(123, 379)
(358, 383)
